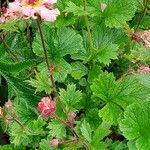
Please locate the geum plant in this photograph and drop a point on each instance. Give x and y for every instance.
(78, 74)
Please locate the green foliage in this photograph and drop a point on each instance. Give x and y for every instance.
(45, 145)
(117, 94)
(86, 131)
(15, 67)
(135, 124)
(73, 8)
(9, 26)
(11, 147)
(101, 132)
(71, 97)
(117, 12)
(117, 145)
(78, 70)
(18, 135)
(102, 98)
(106, 43)
(41, 83)
(56, 129)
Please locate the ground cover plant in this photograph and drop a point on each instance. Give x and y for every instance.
(77, 73)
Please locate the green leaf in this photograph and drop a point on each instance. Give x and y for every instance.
(131, 145)
(136, 124)
(117, 95)
(93, 121)
(106, 43)
(72, 147)
(94, 72)
(86, 131)
(78, 70)
(41, 83)
(110, 112)
(11, 147)
(22, 50)
(107, 53)
(139, 52)
(23, 110)
(56, 129)
(73, 8)
(70, 96)
(37, 126)
(144, 79)
(16, 67)
(115, 145)
(118, 12)
(9, 25)
(101, 132)
(67, 41)
(18, 135)
(20, 89)
(60, 43)
(45, 145)
(61, 69)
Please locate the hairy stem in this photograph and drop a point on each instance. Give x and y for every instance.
(48, 66)
(72, 130)
(45, 53)
(145, 3)
(9, 50)
(68, 141)
(88, 27)
(65, 124)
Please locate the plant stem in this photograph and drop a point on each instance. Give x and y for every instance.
(9, 50)
(72, 130)
(65, 124)
(88, 27)
(47, 63)
(45, 53)
(68, 141)
(145, 3)
(21, 125)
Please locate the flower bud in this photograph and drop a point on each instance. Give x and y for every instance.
(9, 105)
(144, 69)
(47, 107)
(54, 142)
(103, 6)
(1, 112)
(70, 119)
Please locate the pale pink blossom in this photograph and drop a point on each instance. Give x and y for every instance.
(28, 12)
(49, 15)
(30, 9)
(54, 142)
(47, 107)
(144, 69)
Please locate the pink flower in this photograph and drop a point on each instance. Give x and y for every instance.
(30, 9)
(47, 107)
(28, 12)
(49, 15)
(54, 142)
(144, 69)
